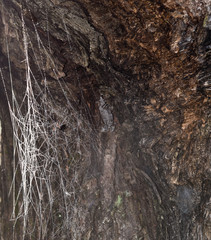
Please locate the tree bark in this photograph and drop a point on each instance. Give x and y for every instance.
(126, 87)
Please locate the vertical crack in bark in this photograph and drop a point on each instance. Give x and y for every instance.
(108, 177)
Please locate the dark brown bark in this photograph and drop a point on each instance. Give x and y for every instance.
(139, 77)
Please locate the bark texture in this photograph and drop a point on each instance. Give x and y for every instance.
(139, 77)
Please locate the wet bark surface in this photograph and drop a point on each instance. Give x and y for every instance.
(139, 76)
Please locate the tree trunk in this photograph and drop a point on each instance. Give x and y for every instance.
(109, 104)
